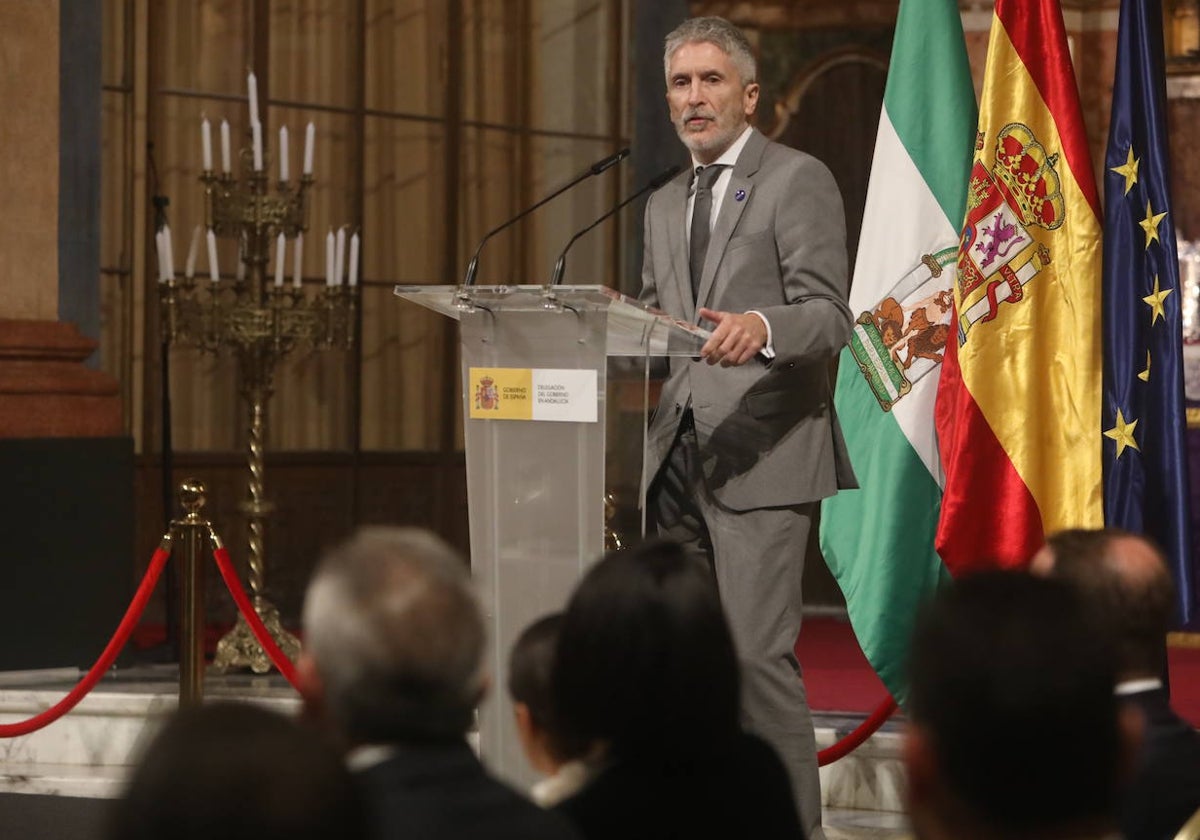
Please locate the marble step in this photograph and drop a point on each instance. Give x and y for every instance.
(869, 779)
(88, 752)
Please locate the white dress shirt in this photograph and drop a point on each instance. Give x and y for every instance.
(1128, 687)
(727, 160)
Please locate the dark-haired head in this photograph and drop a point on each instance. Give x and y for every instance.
(529, 665)
(645, 660)
(1125, 583)
(1014, 721)
(529, 685)
(238, 772)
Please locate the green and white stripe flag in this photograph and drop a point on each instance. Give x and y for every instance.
(878, 540)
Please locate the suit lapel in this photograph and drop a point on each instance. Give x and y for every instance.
(731, 210)
(676, 207)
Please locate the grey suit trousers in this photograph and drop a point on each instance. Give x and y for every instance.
(757, 558)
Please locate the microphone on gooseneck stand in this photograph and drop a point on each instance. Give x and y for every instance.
(595, 169)
(656, 182)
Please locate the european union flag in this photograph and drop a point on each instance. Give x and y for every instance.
(1145, 452)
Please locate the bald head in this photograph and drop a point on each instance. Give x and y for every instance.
(1125, 582)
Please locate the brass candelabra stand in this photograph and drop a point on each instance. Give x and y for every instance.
(259, 323)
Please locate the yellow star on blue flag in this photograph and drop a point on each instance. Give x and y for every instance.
(1128, 171)
(1122, 433)
(1150, 224)
(1155, 301)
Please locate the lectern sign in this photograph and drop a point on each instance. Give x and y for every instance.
(564, 395)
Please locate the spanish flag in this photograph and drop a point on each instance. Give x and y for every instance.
(1018, 405)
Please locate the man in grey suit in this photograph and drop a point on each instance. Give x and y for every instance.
(751, 243)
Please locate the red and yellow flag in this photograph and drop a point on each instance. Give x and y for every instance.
(1018, 405)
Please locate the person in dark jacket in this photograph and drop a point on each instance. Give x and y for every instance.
(394, 664)
(1013, 729)
(237, 771)
(645, 674)
(1123, 578)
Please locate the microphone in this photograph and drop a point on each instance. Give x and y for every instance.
(595, 169)
(656, 182)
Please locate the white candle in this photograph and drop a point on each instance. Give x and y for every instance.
(213, 272)
(206, 144)
(160, 252)
(280, 253)
(226, 155)
(283, 153)
(354, 259)
(252, 87)
(189, 269)
(256, 136)
(310, 139)
(298, 261)
(170, 259)
(329, 246)
(339, 263)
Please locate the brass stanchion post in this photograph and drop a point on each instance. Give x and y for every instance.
(193, 530)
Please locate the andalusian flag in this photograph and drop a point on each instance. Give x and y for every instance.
(1018, 410)
(878, 540)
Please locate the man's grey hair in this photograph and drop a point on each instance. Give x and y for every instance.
(719, 32)
(397, 636)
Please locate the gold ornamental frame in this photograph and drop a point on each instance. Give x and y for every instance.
(1181, 36)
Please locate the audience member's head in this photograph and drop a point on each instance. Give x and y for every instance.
(645, 661)
(238, 772)
(394, 639)
(1125, 582)
(529, 686)
(1014, 727)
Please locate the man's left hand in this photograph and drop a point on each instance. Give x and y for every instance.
(736, 340)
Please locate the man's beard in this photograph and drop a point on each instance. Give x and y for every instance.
(719, 140)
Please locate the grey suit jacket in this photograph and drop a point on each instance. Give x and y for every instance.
(767, 432)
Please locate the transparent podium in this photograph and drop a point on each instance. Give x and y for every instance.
(534, 371)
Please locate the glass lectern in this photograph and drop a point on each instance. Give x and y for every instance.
(534, 364)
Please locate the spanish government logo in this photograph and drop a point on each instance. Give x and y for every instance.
(487, 395)
(1007, 209)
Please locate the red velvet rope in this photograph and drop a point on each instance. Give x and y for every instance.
(234, 585)
(146, 588)
(132, 614)
(855, 739)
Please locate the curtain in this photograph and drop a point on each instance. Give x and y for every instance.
(539, 97)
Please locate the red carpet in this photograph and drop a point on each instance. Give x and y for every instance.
(839, 679)
(1184, 665)
(836, 674)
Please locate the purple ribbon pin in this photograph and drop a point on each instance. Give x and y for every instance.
(739, 195)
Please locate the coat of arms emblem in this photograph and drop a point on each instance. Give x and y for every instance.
(1000, 252)
(487, 396)
(903, 337)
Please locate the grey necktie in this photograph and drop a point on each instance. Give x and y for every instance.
(706, 176)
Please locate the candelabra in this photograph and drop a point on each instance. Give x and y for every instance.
(259, 323)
